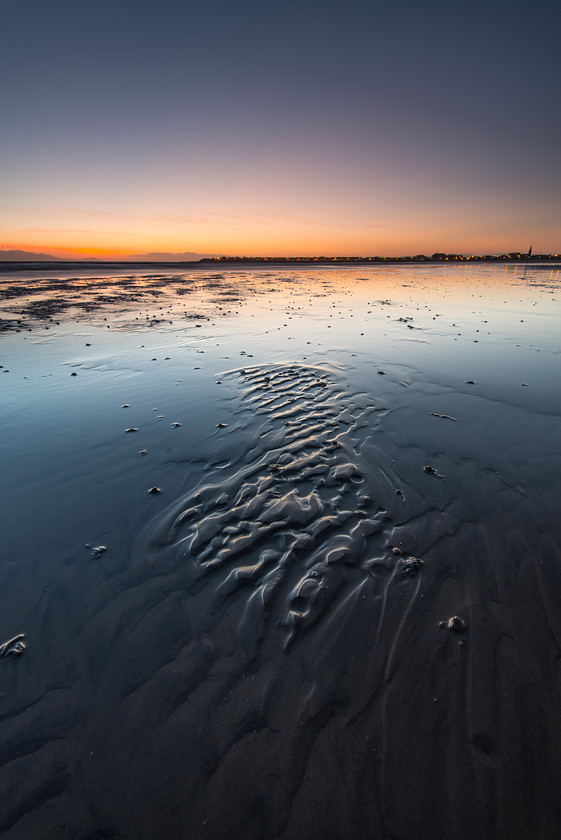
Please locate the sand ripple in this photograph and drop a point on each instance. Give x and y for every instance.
(294, 516)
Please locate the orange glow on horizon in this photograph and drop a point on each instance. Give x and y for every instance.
(285, 239)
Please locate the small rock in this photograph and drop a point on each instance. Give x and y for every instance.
(154, 490)
(396, 550)
(143, 452)
(430, 470)
(73, 373)
(455, 623)
(175, 425)
(411, 566)
(132, 429)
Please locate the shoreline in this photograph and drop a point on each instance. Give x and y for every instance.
(7, 266)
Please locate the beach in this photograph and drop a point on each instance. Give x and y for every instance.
(283, 547)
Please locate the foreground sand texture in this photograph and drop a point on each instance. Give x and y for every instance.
(340, 616)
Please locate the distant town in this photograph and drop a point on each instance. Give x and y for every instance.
(438, 256)
(189, 258)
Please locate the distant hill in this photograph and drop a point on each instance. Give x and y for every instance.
(28, 256)
(25, 256)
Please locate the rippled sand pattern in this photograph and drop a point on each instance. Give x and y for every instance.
(295, 519)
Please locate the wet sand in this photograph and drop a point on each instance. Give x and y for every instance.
(339, 616)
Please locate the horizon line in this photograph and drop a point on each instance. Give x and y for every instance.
(19, 255)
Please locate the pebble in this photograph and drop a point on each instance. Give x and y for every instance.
(154, 490)
(455, 623)
(412, 565)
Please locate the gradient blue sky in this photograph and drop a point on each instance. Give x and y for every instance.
(280, 128)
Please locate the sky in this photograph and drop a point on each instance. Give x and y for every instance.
(265, 128)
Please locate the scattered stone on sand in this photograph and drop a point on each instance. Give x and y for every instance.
(73, 373)
(132, 429)
(96, 550)
(125, 405)
(221, 425)
(154, 490)
(469, 382)
(400, 493)
(143, 452)
(396, 550)
(13, 647)
(429, 470)
(381, 372)
(411, 565)
(455, 623)
(175, 424)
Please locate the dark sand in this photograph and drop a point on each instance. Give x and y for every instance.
(263, 649)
